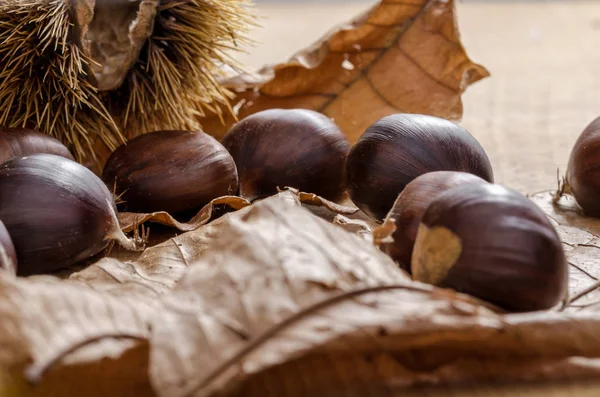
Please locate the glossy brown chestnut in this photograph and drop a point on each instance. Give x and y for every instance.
(56, 211)
(398, 148)
(298, 148)
(492, 243)
(583, 172)
(8, 256)
(172, 171)
(18, 142)
(412, 203)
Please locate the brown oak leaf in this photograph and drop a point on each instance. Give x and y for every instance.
(45, 319)
(399, 56)
(285, 303)
(272, 266)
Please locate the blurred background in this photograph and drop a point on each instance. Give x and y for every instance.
(542, 55)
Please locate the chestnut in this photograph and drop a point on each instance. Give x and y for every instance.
(172, 171)
(56, 211)
(18, 142)
(410, 206)
(398, 148)
(296, 148)
(583, 171)
(492, 243)
(8, 256)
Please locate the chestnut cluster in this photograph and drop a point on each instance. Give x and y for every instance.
(485, 240)
(178, 171)
(455, 227)
(55, 212)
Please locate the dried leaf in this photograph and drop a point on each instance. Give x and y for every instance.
(371, 342)
(272, 267)
(76, 323)
(356, 226)
(580, 236)
(400, 56)
(267, 324)
(365, 226)
(159, 268)
(122, 375)
(384, 232)
(318, 201)
(567, 213)
(352, 374)
(44, 319)
(130, 221)
(130, 291)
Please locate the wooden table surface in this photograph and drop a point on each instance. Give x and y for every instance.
(545, 66)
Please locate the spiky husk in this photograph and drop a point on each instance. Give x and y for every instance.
(43, 79)
(45, 84)
(175, 80)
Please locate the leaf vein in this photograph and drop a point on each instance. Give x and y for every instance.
(407, 25)
(582, 270)
(426, 73)
(320, 305)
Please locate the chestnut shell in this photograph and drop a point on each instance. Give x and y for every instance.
(8, 256)
(412, 203)
(493, 243)
(298, 148)
(18, 142)
(398, 148)
(172, 171)
(56, 211)
(583, 172)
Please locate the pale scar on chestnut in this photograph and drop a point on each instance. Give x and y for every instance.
(6, 261)
(437, 250)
